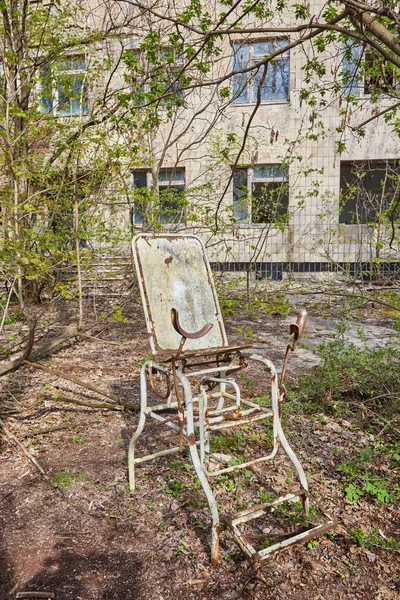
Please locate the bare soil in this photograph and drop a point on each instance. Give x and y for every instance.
(81, 535)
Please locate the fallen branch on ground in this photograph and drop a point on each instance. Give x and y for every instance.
(12, 437)
(99, 405)
(76, 380)
(69, 333)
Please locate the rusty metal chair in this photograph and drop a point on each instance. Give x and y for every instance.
(191, 372)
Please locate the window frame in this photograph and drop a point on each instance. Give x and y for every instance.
(357, 84)
(146, 74)
(173, 183)
(251, 180)
(366, 168)
(51, 101)
(251, 60)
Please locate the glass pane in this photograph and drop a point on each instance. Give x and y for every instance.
(171, 175)
(140, 179)
(276, 82)
(261, 49)
(63, 100)
(77, 93)
(72, 63)
(240, 80)
(351, 69)
(270, 172)
(47, 90)
(138, 217)
(240, 194)
(140, 182)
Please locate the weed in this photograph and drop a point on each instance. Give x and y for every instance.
(312, 544)
(238, 460)
(229, 305)
(374, 539)
(227, 484)
(119, 442)
(80, 440)
(175, 489)
(175, 465)
(224, 441)
(66, 480)
(117, 314)
(266, 497)
(342, 575)
(361, 481)
(349, 372)
(347, 563)
(145, 359)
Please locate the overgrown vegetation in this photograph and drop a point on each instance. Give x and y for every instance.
(354, 379)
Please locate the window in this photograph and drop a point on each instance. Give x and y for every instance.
(367, 189)
(261, 194)
(275, 86)
(169, 207)
(365, 72)
(156, 78)
(64, 89)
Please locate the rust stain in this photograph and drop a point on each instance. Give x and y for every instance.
(169, 260)
(191, 439)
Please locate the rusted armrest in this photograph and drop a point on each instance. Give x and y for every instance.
(185, 334)
(296, 329)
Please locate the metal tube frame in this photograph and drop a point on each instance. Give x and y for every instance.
(221, 417)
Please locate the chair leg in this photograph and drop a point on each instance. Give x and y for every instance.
(212, 503)
(278, 431)
(139, 429)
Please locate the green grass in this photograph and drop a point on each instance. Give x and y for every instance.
(67, 480)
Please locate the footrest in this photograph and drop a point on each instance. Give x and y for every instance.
(231, 523)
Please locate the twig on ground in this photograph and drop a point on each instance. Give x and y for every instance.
(92, 337)
(12, 437)
(98, 405)
(76, 380)
(44, 431)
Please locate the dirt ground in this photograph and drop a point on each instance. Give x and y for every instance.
(77, 532)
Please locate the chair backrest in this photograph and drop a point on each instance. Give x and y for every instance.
(173, 272)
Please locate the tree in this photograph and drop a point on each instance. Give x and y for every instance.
(88, 95)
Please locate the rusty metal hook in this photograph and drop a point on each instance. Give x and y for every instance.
(190, 336)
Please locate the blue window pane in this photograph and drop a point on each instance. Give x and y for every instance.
(261, 49)
(350, 69)
(240, 194)
(239, 81)
(276, 82)
(273, 172)
(138, 217)
(72, 96)
(47, 90)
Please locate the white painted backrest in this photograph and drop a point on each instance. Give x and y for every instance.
(173, 272)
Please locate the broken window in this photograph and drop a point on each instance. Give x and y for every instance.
(367, 189)
(261, 194)
(365, 72)
(169, 206)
